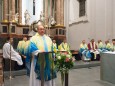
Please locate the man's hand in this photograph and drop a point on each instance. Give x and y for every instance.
(23, 56)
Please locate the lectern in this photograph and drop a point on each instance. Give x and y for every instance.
(42, 59)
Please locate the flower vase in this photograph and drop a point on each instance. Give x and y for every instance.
(62, 78)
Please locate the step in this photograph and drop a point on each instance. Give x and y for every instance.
(81, 64)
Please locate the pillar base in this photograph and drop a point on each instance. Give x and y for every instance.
(5, 20)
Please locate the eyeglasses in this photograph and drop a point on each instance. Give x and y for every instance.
(41, 29)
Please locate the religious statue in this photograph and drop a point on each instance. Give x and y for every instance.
(16, 17)
(42, 16)
(52, 21)
(27, 17)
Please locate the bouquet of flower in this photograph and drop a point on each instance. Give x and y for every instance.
(64, 61)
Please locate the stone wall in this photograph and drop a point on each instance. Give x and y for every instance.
(99, 25)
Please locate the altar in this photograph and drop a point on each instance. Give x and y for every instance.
(107, 69)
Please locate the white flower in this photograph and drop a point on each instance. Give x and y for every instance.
(69, 56)
(59, 57)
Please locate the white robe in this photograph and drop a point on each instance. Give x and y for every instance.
(36, 82)
(14, 55)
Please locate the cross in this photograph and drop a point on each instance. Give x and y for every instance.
(10, 24)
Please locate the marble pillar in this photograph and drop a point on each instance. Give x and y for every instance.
(13, 10)
(58, 12)
(5, 10)
(20, 11)
(62, 13)
(46, 12)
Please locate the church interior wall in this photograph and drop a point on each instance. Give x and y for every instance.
(99, 24)
(114, 19)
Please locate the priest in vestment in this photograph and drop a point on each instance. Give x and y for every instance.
(113, 45)
(100, 46)
(85, 53)
(20, 48)
(54, 44)
(22, 45)
(107, 46)
(64, 46)
(8, 48)
(93, 49)
(27, 57)
(41, 43)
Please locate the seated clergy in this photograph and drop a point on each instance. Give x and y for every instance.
(64, 46)
(107, 46)
(113, 45)
(20, 48)
(100, 46)
(54, 44)
(10, 53)
(93, 50)
(84, 52)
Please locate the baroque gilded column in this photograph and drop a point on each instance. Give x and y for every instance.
(58, 12)
(13, 10)
(5, 10)
(20, 11)
(62, 13)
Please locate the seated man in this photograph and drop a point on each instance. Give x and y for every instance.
(20, 48)
(100, 46)
(84, 52)
(113, 45)
(64, 46)
(107, 46)
(10, 53)
(54, 44)
(93, 50)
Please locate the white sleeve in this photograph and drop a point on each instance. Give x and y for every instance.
(36, 52)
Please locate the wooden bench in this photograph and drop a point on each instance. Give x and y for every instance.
(75, 53)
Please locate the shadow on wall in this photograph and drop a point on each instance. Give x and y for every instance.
(75, 23)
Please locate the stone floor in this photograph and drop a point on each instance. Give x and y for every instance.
(77, 77)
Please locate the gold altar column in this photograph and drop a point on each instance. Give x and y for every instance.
(13, 10)
(58, 12)
(62, 13)
(5, 10)
(20, 11)
(46, 12)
